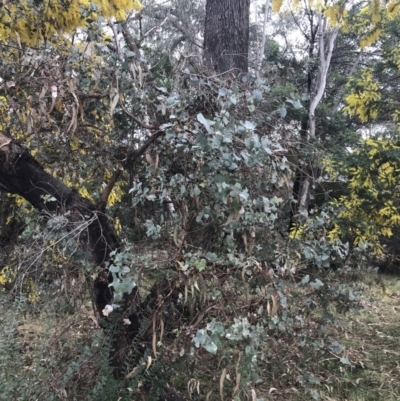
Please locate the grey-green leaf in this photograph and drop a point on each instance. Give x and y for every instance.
(202, 120)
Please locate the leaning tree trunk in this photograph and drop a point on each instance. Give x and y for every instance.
(226, 35)
(21, 174)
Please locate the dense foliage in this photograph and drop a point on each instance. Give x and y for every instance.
(238, 282)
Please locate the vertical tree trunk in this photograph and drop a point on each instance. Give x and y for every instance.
(316, 89)
(226, 35)
(261, 49)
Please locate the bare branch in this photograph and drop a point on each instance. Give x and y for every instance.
(115, 33)
(133, 47)
(139, 152)
(182, 26)
(154, 27)
(101, 206)
(137, 121)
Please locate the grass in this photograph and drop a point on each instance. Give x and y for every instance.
(371, 341)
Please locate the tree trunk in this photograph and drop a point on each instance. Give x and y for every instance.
(21, 174)
(226, 35)
(261, 49)
(305, 173)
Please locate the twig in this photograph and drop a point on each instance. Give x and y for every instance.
(144, 147)
(114, 29)
(154, 28)
(137, 121)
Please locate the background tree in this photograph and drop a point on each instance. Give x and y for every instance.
(226, 35)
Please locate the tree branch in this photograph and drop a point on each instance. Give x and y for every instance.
(137, 121)
(139, 152)
(115, 33)
(133, 47)
(181, 26)
(101, 206)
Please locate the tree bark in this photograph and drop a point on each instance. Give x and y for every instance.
(21, 174)
(304, 173)
(261, 49)
(226, 35)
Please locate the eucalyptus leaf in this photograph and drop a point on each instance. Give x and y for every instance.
(201, 119)
(317, 284)
(282, 112)
(211, 347)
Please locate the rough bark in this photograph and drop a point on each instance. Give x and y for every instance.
(21, 174)
(9, 230)
(226, 35)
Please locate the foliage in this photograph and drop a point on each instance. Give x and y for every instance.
(224, 290)
(363, 97)
(46, 357)
(370, 210)
(31, 22)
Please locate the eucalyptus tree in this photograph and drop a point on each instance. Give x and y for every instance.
(226, 35)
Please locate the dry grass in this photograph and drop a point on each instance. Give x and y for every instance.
(371, 341)
(372, 344)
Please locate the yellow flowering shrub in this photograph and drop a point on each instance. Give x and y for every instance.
(370, 210)
(8, 276)
(363, 97)
(31, 23)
